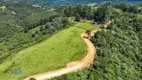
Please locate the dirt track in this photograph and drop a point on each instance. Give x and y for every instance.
(73, 66)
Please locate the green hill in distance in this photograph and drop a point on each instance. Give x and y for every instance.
(69, 2)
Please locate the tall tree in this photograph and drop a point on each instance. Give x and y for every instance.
(77, 17)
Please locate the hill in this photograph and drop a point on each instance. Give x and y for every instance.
(35, 39)
(53, 53)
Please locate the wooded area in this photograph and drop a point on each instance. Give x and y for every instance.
(23, 25)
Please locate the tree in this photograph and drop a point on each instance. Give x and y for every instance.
(77, 17)
(66, 21)
(37, 32)
(33, 34)
(102, 27)
(88, 32)
(26, 30)
(42, 28)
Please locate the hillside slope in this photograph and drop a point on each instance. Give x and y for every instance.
(51, 54)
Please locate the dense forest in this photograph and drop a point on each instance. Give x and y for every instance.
(119, 51)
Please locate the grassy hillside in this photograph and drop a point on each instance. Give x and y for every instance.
(53, 53)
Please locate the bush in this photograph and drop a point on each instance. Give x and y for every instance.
(32, 79)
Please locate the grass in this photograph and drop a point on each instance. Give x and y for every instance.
(51, 54)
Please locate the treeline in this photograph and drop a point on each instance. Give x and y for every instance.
(40, 19)
(104, 13)
(129, 8)
(84, 11)
(98, 14)
(119, 51)
(55, 25)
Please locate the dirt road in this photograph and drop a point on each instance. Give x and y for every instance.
(72, 66)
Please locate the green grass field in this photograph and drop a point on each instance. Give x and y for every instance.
(53, 53)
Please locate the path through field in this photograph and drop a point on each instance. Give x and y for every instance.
(73, 66)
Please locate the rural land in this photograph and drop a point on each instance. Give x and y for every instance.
(70, 40)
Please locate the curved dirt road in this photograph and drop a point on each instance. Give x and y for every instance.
(73, 66)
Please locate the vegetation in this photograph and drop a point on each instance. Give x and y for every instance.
(28, 26)
(53, 53)
(88, 32)
(119, 51)
(129, 8)
(32, 36)
(77, 17)
(84, 11)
